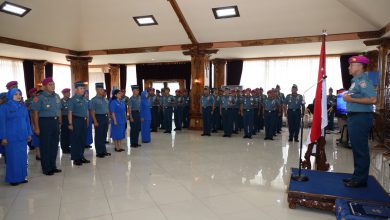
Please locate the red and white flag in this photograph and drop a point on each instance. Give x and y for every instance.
(320, 117)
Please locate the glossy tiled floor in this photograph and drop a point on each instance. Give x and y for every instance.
(181, 176)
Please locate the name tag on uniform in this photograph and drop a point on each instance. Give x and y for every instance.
(47, 106)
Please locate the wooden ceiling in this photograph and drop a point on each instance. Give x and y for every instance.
(98, 27)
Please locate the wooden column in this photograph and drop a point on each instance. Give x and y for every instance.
(219, 72)
(382, 62)
(198, 68)
(114, 73)
(39, 72)
(79, 68)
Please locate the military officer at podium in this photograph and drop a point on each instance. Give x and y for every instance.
(99, 113)
(78, 118)
(293, 110)
(360, 100)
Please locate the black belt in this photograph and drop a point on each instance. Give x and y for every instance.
(134, 110)
(207, 107)
(168, 107)
(295, 109)
(269, 111)
(248, 110)
(78, 117)
(358, 113)
(55, 118)
(102, 115)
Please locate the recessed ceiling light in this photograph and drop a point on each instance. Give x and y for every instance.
(226, 12)
(14, 9)
(145, 20)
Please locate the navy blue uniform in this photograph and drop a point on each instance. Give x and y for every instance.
(331, 103)
(236, 113)
(168, 102)
(269, 117)
(135, 125)
(248, 106)
(294, 111)
(155, 105)
(262, 99)
(49, 108)
(178, 112)
(255, 108)
(359, 125)
(65, 133)
(216, 116)
(160, 112)
(207, 103)
(99, 105)
(281, 99)
(186, 111)
(227, 114)
(78, 105)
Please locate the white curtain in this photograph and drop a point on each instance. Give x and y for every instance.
(131, 78)
(285, 72)
(12, 70)
(95, 77)
(62, 78)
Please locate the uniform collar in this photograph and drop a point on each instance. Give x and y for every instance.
(45, 93)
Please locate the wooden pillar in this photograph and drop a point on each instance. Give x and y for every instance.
(39, 72)
(198, 68)
(79, 68)
(219, 72)
(114, 73)
(382, 62)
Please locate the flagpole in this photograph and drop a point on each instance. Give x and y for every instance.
(300, 177)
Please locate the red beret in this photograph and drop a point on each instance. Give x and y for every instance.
(12, 83)
(151, 89)
(270, 92)
(32, 91)
(177, 90)
(47, 81)
(65, 90)
(249, 90)
(359, 59)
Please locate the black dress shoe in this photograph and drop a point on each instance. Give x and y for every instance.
(138, 145)
(203, 134)
(14, 184)
(296, 140)
(88, 146)
(224, 135)
(132, 146)
(77, 162)
(355, 184)
(107, 154)
(214, 131)
(107, 142)
(271, 139)
(56, 171)
(37, 158)
(290, 140)
(101, 155)
(24, 181)
(245, 136)
(266, 138)
(85, 161)
(50, 173)
(250, 137)
(346, 180)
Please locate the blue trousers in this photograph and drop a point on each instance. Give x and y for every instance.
(101, 133)
(248, 122)
(49, 139)
(261, 120)
(16, 169)
(145, 131)
(161, 118)
(279, 122)
(294, 123)
(255, 120)
(135, 127)
(359, 126)
(78, 139)
(236, 119)
(269, 120)
(330, 121)
(155, 118)
(206, 117)
(89, 132)
(179, 117)
(168, 119)
(186, 116)
(227, 121)
(216, 119)
(65, 134)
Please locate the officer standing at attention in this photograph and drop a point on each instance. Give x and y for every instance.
(227, 113)
(269, 119)
(262, 98)
(293, 110)
(160, 109)
(207, 109)
(236, 111)
(135, 116)
(78, 118)
(47, 122)
(65, 134)
(331, 103)
(247, 112)
(255, 107)
(99, 114)
(186, 109)
(360, 100)
(280, 100)
(154, 105)
(168, 103)
(178, 110)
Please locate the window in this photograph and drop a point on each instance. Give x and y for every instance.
(158, 85)
(131, 78)
(173, 86)
(12, 70)
(285, 72)
(62, 77)
(95, 75)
